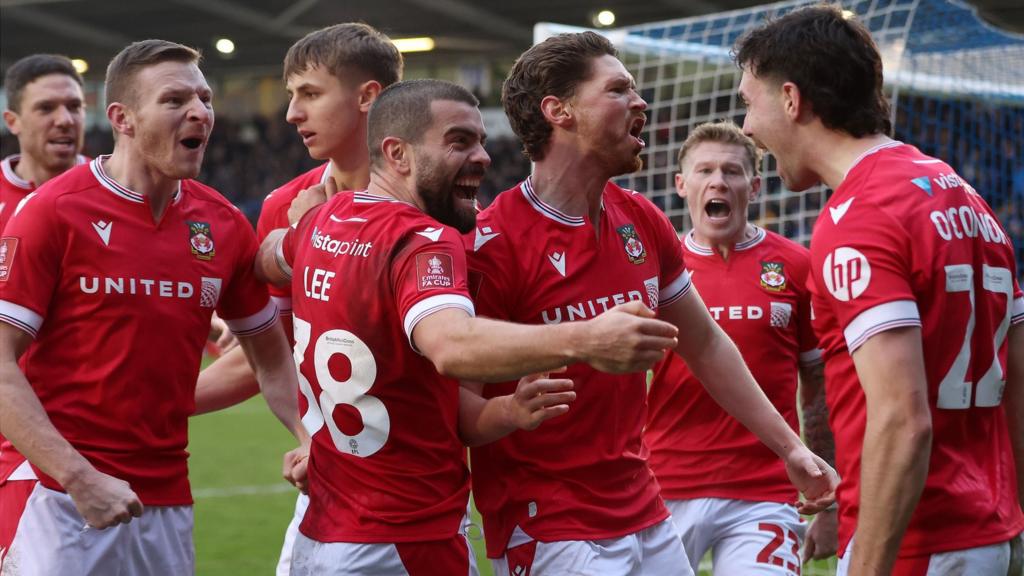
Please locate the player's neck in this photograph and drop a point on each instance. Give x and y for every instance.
(352, 177)
(31, 171)
(571, 184)
(843, 151)
(725, 247)
(135, 175)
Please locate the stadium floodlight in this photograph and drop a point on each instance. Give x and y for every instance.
(81, 66)
(420, 44)
(604, 18)
(224, 46)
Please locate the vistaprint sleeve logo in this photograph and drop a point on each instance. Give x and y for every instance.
(209, 293)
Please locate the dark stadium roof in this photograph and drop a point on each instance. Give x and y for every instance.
(263, 29)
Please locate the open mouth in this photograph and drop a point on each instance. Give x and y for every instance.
(192, 143)
(636, 128)
(717, 209)
(62, 142)
(466, 187)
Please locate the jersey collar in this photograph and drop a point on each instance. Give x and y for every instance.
(110, 184)
(869, 152)
(545, 209)
(7, 167)
(693, 246)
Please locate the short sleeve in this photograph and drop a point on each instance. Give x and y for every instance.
(862, 270)
(674, 278)
(31, 257)
(245, 307)
(488, 261)
(429, 275)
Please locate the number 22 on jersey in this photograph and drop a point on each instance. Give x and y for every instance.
(351, 392)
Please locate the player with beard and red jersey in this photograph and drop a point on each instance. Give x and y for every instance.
(916, 305)
(45, 111)
(384, 325)
(333, 75)
(726, 491)
(113, 271)
(563, 246)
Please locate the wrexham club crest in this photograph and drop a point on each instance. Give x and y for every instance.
(200, 239)
(635, 250)
(772, 276)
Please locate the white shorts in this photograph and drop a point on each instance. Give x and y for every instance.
(51, 538)
(654, 551)
(749, 538)
(991, 560)
(453, 556)
(284, 563)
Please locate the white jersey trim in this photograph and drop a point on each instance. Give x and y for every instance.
(693, 246)
(675, 289)
(890, 144)
(256, 323)
(811, 357)
(284, 305)
(547, 210)
(883, 317)
(110, 184)
(429, 305)
(7, 167)
(1017, 311)
(20, 317)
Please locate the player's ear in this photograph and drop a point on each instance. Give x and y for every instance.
(792, 101)
(556, 111)
(755, 187)
(680, 185)
(368, 92)
(11, 120)
(120, 119)
(396, 153)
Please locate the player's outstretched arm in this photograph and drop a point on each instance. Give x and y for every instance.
(1015, 402)
(716, 362)
(823, 533)
(101, 499)
(624, 339)
(270, 356)
(537, 398)
(897, 444)
(228, 381)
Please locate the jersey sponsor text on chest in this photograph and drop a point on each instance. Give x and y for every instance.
(589, 308)
(148, 287)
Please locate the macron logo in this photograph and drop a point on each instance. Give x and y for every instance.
(103, 229)
(837, 212)
(483, 236)
(557, 260)
(432, 234)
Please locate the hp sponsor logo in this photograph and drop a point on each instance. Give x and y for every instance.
(846, 273)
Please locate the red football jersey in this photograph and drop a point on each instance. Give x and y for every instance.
(905, 242)
(120, 308)
(760, 299)
(386, 462)
(274, 215)
(14, 188)
(583, 476)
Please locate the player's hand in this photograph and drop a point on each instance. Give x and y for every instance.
(294, 467)
(822, 536)
(626, 339)
(814, 478)
(103, 500)
(221, 335)
(539, 398)
(310, 197)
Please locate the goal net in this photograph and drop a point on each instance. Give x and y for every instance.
(956, 83)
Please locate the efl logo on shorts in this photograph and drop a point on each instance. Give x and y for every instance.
(209, 294)
(8, 246)
(434, 271)
(846, 273)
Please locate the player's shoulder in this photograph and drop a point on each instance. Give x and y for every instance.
(287, 192)
(508, 216)
(785, 247)
(211, 203)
